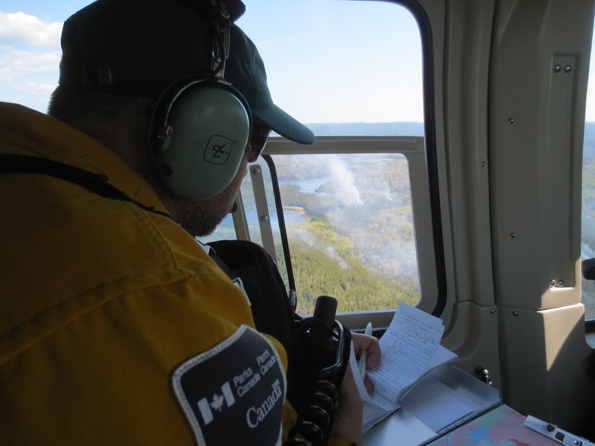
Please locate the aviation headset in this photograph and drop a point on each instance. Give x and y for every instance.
(200, 126)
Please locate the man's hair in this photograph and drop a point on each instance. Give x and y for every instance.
(107, 117)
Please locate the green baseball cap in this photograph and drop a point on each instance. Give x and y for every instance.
(139, 47)
(245, 70)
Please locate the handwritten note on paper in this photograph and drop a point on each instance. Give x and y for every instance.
(407, 348)
(410, 349)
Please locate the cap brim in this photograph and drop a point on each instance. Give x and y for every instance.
(283, 124)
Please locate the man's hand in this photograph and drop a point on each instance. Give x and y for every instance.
(369, 344)
(348, 417)
(349, 412)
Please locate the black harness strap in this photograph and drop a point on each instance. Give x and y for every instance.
(96, 183)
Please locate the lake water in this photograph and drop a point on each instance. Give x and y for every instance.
(290, 217)
(308, 186)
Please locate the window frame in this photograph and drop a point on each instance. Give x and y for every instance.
(431, 261)
(413, 149)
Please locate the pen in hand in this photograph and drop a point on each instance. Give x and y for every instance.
(362, 359)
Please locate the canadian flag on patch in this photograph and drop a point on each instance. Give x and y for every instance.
(216, 404)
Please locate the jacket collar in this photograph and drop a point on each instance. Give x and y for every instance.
(29, 132)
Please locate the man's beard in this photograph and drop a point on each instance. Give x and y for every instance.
(202, 217)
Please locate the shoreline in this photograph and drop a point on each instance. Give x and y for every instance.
(301, 211)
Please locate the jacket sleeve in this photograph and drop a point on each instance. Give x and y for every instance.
(99, 369)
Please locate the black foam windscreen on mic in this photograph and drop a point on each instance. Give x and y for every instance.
(326, 308)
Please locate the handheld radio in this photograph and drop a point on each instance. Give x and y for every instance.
(323, 348)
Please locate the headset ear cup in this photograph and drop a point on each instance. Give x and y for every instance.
(202, 139)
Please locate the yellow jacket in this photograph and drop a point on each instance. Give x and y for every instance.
(110, 315)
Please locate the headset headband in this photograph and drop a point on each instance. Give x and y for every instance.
(221, 24)
(200, 125)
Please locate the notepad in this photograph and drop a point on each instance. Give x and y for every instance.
(410, 350)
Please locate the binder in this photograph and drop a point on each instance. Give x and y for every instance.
(443, 400)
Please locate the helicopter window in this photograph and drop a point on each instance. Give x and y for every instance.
(355, 204)
(588, 194)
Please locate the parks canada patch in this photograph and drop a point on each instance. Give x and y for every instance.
(234, 392)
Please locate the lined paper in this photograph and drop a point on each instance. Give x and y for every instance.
(410, 350)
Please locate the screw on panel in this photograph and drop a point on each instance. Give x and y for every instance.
(560, 283)
(256, 170)
(511, 120)
(264, 218)
(515, 313)
(484, 374)
(557, 68)
(512, 235)
(567, 69)
(553, 282)
(483, 164)
(493, 310)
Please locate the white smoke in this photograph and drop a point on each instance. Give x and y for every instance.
(332, 252)
(315, 242)
(382, 187)
(344, 181)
